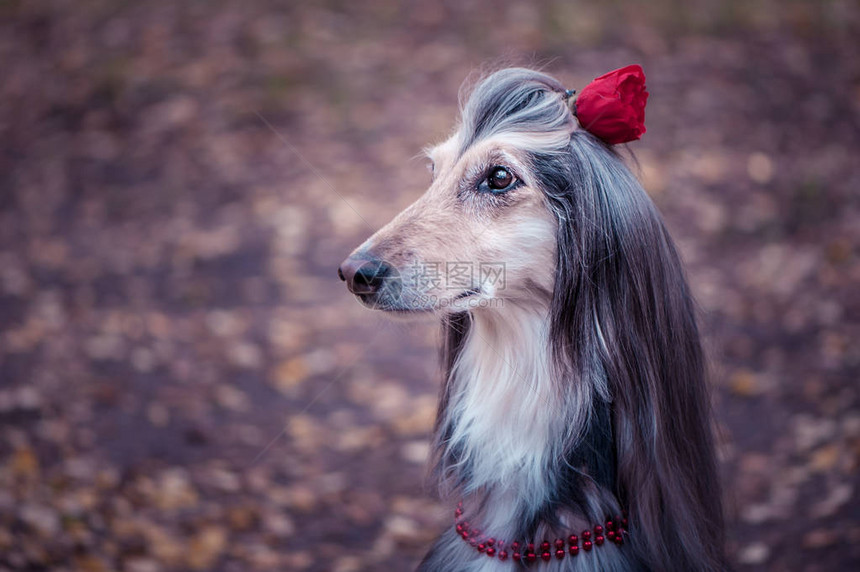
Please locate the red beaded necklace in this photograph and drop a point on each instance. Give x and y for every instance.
(529, 552)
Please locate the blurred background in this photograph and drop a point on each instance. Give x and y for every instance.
(186, 385)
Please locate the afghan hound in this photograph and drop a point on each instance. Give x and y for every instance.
(573, 429)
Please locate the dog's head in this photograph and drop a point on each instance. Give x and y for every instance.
(484, 230)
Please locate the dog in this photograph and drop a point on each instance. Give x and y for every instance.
(573, 429)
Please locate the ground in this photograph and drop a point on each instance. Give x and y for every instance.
(186, 385)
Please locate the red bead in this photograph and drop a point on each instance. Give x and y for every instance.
(598, 540)
(476, 532)
(465, 535)
(545, 556)
(619, 540)
(610, 535)
(598, 529)
(458, 512)
(610, 525)
(573, 539)
(516, 556)
(515, 545)
(586, 534)
(459, 528)
(544, 546)
(559, 554)
(481, 547)
(473, 543)
(530, 557)
(624, 522)
(491, 552)
(503, 555)
(587, 545)
(574, 550)
(559, 543)
(491, 541)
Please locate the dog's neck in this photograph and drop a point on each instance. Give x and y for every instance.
(506, 423)
(503, 400)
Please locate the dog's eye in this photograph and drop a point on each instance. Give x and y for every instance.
(500, 179)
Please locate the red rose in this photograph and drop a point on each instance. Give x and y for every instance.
(612, 107)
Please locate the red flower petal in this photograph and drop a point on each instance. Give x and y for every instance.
(612, 107)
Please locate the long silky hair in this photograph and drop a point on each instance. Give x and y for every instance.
(625, 347)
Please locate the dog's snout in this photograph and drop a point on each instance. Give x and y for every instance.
(362, 275)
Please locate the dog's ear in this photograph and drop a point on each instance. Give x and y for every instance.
(623, 322)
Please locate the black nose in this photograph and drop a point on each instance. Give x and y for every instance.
(363, 276)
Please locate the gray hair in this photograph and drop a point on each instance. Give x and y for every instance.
(518, 101)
